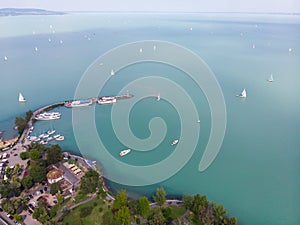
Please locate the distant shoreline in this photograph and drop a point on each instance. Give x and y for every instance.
(27, 11)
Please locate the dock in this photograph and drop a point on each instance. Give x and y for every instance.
(124, 96)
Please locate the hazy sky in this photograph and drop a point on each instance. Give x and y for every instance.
(289, 6)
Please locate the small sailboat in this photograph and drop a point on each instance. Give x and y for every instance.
(5, 58)
(112, 72)
(243, 94)
(141, 50)
(175, 142)
(270, 79)
(158, 97)
(21, 98)
(154, 47)
(125, 152)
(198, 121)
(36, 49)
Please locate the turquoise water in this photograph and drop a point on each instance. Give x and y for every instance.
(256, 174)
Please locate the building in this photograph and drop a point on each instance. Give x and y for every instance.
(55, 175)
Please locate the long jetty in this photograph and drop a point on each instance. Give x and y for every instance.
(54, 105)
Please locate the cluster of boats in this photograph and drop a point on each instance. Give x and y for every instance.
(48, 116)
(45, 137)
(127, 151)
(86, 102)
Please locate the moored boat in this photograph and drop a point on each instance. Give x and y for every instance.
(78, 103)
(107, 100)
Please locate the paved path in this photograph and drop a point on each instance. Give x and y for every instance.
(76, 205)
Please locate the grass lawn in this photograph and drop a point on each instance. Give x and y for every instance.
(177, 211)
(73, 218)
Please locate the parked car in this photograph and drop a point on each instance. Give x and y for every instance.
(11, 217)
(1, 210)
(30, 211)
(31, 206)
(45, 188)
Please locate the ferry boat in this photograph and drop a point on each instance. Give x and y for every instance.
(175, 142)
(125, 152)
(78, 103)
(106, 100)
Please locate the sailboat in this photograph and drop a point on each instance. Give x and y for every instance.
(5, 58)
(112, 72)
(243, 94)
(21, 98)
(270, 79)
(158, 97)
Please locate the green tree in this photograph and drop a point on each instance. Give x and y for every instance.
(54, 188)
(54, 154)
(24, 155)
(120, 200)
(187, 201)
(89, 182)
(8, 206)
(40, 213)
(144, 206)
(35, 154)
(18, 217)
(21, 124)
(60, 199)
(219, 212)
(232, 221)
(199, 202)
(157, 217)
(108, 218)
(28, 116)
(4, 190)
(38, 173)
(160, 196)
(27, 182)
(122, 216)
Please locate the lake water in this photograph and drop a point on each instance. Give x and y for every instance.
(256, 173)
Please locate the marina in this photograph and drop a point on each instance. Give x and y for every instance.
(254, 148)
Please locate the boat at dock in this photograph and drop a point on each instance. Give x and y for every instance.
(48, 116)
(125, 152)
(78, 103)
(107, 100)
(60, 138)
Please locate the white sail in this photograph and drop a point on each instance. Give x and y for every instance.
(112, 72)
(21, 98)
(271, 79)
(158, 97)
(243, 94)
